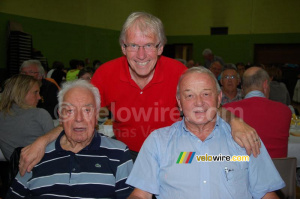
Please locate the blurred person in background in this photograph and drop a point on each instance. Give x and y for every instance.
(21, 122)
(48, 90)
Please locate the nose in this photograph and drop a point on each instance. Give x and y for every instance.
(141, 53)
(78, 116)
(198, 101)
(38, 97)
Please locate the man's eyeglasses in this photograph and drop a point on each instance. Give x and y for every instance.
(230, 77)
(135, 47)
(29, 72)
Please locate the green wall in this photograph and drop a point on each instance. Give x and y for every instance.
(62, 41)
(233, 48)
(67, 29)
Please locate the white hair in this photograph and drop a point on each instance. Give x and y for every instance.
(207, 51)
(78, 84)
(34, 62)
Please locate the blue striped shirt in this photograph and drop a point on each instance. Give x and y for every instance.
(97, 171)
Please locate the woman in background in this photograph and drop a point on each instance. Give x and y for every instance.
(21, 122)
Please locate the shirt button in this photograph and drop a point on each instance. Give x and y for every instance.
(141, 92)
(204, 181)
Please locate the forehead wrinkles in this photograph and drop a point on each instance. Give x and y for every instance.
(197, 83)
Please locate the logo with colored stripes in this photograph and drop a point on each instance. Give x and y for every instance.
(185, 158)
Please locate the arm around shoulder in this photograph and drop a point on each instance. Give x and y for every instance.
(33, 153)
(140, 194)
(270, 195)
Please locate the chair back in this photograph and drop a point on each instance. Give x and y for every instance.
(287, 170)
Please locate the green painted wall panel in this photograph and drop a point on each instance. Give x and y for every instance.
(233, 48)
(63, 42)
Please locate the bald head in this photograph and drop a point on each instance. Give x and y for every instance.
(256, 78)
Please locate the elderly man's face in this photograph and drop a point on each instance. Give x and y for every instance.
(31, 70)
(143, 61)
(230, 80)
(198, 98)
(79, 115)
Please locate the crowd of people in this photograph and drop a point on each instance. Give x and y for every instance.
(161, 110)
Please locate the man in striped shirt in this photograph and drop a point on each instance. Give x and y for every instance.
(80, 163)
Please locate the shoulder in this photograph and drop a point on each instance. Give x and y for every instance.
(171, 63)
(165, 134)
(112, 144)
(111, 65)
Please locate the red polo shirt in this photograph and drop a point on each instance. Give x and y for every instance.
(137, 112)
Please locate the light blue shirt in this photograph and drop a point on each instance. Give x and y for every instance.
(157, 172)
(254, 94)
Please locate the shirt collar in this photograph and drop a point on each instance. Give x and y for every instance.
(185, 129)
(254, 94)
(94, 145)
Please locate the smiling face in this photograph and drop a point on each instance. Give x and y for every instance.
(198, 99)
(79, 115)
(142, 63)
(33, 96)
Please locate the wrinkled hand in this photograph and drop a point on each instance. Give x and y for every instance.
(245, 136)
(30, 156)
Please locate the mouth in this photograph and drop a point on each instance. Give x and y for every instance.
(199, 111)
(79, 129)
(142, 63)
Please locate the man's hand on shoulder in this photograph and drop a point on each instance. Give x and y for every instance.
(245, 136)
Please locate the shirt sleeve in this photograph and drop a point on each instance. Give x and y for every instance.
(264, 177)
(19, 188)
(145, 172)
(123, 190)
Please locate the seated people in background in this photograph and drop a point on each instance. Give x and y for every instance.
(48, 90)
(81, 163)
(21, 122)
(240, 68)
(278, 90)
(59, 73)
(76, 66)
(216, 68)
(230, 79)
(190, 63)
(209, 58)
(96, 64)
(169, 163)
(139, 89)
(86, 74)
(270, 119)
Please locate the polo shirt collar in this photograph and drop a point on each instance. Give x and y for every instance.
(93, 146)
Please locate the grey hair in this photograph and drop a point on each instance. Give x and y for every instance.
(256, 80)
(147, 23)
(231, 68)
(207, 51)
(78, 84)
(200, 70)
(34, 62)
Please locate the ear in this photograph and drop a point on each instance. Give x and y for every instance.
(266, 88)
(219, 99)
(179, 103)
(160, 50)
(123, 49)
(221, 81)
(265, 84)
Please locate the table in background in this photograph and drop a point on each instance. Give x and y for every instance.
(294, 148)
